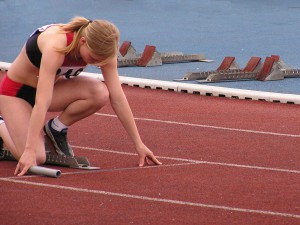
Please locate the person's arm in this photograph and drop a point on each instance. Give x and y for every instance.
(51, 61)
(122, 109)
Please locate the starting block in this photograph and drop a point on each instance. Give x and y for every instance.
(52, 158)
(151, 57)
(127, 50)
(272, 69)
(280, 70)
(228, 64)
(78, 162)
(249, 72)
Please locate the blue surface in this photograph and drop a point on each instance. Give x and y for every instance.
(215, 28)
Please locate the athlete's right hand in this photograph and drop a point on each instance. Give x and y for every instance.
(27, 160)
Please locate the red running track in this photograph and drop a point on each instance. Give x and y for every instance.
(225, 161)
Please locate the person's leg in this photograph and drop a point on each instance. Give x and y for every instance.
(76, 98)
(5, 136)
(16, 113)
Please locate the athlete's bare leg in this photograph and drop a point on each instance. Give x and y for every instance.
(16, 114)
(8, 143)
(78, 98)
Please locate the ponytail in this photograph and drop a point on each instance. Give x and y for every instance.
(102, 37)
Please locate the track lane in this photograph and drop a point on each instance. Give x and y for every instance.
(223, 176)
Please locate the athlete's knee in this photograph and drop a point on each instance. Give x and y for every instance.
(100, 94)
(41, 158)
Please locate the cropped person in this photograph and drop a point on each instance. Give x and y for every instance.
(43, 78)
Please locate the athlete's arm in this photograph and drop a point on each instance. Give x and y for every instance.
(122, 109)
(50, 62)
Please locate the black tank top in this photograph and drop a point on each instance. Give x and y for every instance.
(32, 49)
(70, 67)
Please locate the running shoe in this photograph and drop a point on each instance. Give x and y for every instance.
(59, 139)
(1, 144)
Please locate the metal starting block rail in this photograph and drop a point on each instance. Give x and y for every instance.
(290, 73)
(151, 57)
(78, 162)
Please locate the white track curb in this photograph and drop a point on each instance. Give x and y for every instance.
(197, 88)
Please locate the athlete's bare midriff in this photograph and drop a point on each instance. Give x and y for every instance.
(22, 70)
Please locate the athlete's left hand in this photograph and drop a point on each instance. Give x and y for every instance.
(145, 154)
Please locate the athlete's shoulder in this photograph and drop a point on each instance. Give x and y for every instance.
(54, 37)
(42, 29)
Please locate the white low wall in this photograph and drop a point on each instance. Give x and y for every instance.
(197, 88)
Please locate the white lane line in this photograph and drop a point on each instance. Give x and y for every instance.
(106, 170)
(194, 161)
(208, 126)
(145, 198)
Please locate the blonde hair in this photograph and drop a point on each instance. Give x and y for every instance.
(102, 37)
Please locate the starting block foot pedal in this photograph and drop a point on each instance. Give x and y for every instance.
(52, 158)
(127, 51)
(150, 57)
(228, 63)
(78, 162)
(270, 70)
